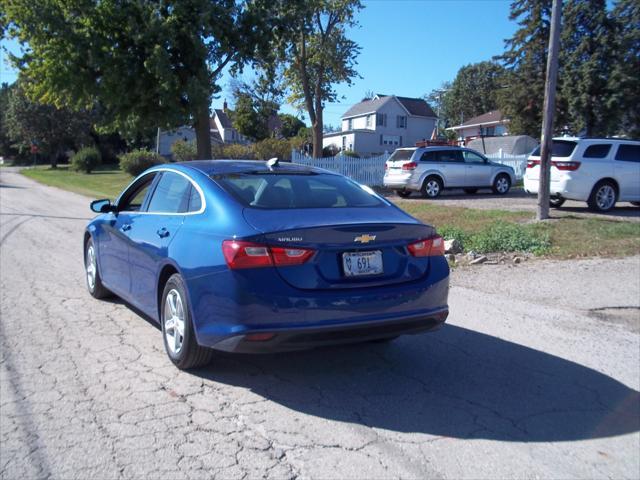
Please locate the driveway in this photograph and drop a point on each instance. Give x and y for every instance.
(536, 374)
(518, 200)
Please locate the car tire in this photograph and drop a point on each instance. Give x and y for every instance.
(92, 277)
(432, 187)
(556, 202)
(177, 328)
(501, 184)
(470, 191)
(404, 193)
(603, 196)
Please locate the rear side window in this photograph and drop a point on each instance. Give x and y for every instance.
(628, 153)
(559, 148)
(599, 150)
(450, 156)
(289, 190)
(429, 157)
(401, 155)
(171, 195)
(195, 202)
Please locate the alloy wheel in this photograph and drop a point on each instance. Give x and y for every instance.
(91, 267)
(605, 197)
(174, 318)
(432, 188)
(502, 185)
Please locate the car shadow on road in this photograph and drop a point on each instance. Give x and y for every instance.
(452, 383)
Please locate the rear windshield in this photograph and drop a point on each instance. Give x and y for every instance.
(291, 190)
(401, 155)
(560, 148)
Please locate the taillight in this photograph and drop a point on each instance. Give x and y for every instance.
(410, 166)
(428, 247)
(533, 163)
(240, 254)
(568, 166)
(283, 256)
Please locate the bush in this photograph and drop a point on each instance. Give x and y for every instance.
(184, 151)
(235, 151)
(272, 147)
(508, 237)
(454, 233)
(86, 159)
(137, 161)
(350, 153)
(330, 151)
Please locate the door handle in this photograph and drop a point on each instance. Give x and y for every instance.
(126, 227)
(163, 232)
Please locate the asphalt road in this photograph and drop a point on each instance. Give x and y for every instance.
(536, 374)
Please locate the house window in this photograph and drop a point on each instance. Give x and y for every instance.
(369, 120)
(350, 124)
(381, 119)
(344, 143)
(393, 140)
(401, 121)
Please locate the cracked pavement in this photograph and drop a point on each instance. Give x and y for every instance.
(536, 374)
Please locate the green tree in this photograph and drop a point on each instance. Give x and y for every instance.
(53, 130)
(291, 125)
(624, 81)
(146, 63)
(585, 60)
(473, 92)
(525, 60)
(6, 147)
(317, 54)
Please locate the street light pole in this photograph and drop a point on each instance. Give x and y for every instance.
(546, 141)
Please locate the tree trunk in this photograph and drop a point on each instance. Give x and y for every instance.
(317, 125)
(203, 135)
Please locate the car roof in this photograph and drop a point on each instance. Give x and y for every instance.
(595, 139)
(216, 167)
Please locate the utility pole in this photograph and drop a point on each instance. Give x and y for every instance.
(549, 108)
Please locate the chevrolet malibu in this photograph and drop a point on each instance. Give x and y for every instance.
(252, 257)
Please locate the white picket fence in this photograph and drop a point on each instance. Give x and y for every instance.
(367, 171)
(370, 171)
(517, 162)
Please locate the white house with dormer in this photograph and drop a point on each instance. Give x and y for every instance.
(383, 123)
(220, 128)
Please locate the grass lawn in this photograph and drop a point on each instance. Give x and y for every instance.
(480, 230)
(566, 237)
(105, 182)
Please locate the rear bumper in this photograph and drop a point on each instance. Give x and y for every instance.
(302, 338)
(564, 186)
(225, 310)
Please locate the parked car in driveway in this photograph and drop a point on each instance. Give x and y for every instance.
(429, 170)
(599, 171)
(244, 256)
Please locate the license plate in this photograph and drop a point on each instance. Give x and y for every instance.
(356, 264)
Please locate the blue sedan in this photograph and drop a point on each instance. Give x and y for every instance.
(245, 256)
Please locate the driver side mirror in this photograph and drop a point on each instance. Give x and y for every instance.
(102, 206)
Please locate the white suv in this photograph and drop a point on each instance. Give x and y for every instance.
(600, 172)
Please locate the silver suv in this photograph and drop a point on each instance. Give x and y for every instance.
(429, 170)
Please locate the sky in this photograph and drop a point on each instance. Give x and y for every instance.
(409, 47)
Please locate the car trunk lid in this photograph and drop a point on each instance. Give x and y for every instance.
(339, 236)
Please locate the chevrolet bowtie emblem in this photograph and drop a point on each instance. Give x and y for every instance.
(366, 238)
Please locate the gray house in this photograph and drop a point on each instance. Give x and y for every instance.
(220, 129)
(383, 123)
